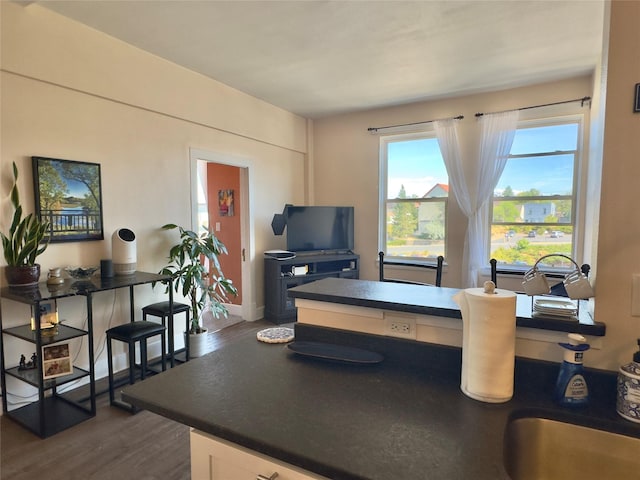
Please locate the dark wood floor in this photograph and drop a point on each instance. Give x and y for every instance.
(112, 445)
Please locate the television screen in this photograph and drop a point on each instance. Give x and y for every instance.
(319, 228)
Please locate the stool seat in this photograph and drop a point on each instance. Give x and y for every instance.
(161, 309)
(132, 333)
(135, 331)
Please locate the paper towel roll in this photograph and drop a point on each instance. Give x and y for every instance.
(488, 343)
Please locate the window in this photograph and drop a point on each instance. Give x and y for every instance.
(534, 203)
(413, 196)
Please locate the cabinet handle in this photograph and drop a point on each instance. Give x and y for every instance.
(272, 477)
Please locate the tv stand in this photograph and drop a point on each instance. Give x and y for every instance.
(281, 275)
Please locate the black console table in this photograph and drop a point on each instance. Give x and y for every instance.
(282, 274)
(54, 411)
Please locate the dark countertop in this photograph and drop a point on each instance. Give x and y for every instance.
(404, 418)
(427, 300)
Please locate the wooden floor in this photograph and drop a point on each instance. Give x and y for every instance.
(114, 445)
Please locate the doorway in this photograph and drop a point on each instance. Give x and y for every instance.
(221, 200)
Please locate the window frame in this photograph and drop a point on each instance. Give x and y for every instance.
(383, 200)
(578, 200)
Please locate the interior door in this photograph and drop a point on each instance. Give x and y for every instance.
(221, 201)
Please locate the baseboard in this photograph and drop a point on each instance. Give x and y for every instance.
(234, 309)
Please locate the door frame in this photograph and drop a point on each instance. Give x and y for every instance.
(247, 309)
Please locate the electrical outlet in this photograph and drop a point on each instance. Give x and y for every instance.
(397, 325)
(400, 327)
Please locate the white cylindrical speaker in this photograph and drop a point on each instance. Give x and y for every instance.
(123, 246)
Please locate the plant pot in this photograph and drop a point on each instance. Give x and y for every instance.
(197, 344)
(22, 275)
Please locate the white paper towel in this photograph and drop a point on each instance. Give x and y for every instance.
(488, 343)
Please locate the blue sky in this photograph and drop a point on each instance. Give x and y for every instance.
(418, 164)
(75, 188)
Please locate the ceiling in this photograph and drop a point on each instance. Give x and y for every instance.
(321, 58)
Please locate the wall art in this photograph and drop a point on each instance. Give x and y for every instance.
(69, 195)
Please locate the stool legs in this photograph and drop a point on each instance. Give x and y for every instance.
(132, 360)
(132, 366)
(110, 365)
(170, 333)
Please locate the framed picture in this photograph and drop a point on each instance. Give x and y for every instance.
(56, 361)
(636, 105)
(225, 203)
(69, 196)
(48, 315)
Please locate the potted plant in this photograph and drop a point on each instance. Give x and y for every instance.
(27, 238)
(188, 261)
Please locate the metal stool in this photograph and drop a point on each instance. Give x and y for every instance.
(130, 333)
(161, 310)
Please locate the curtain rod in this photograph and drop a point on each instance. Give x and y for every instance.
(581, 100)
(375, 129)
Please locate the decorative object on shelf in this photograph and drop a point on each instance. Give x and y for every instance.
(123, 245)
(27, 238)
(275, 335)
(82, 277)
(81, 273)
(48, 315)
(30, 365)
(195, 267)
(54, 277)
(68, 195)
(56, 361)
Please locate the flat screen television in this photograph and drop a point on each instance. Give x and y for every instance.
(319, 228)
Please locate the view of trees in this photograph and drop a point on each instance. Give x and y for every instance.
(510, 210)
(69, 194)
(514, 243)
(405, 217)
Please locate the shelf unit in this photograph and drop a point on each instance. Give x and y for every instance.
(282, 274)
(55, 411)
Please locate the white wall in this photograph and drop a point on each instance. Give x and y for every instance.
(73, 93)
(346, 156)
(346, 172)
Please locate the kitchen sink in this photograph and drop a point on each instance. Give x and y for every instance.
(540, 448)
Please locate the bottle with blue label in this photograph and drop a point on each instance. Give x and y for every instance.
(571, 387)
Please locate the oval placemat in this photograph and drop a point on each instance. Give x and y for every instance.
(276, 335)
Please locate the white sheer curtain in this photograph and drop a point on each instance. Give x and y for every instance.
(447, 134)
(498, 131)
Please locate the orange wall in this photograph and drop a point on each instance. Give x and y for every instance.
(226, 177)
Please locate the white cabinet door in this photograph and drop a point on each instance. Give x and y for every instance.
(215, 459)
